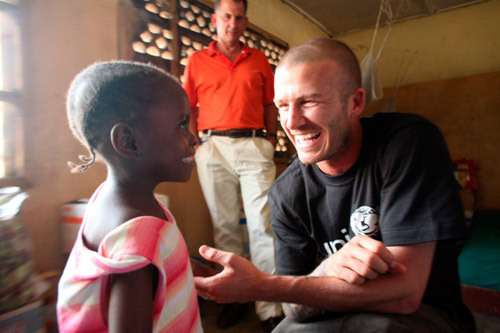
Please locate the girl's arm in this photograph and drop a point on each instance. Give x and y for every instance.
(131, 300)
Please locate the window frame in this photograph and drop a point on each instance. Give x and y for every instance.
(13, 97)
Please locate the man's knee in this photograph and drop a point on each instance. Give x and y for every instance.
(373, 322)
(370, 322)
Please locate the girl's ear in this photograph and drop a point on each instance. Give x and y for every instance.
(124, 140)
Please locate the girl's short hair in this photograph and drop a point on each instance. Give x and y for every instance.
(106, 93)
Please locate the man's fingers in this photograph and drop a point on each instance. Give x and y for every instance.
(364, 261)
(377, 256)
(206, 252)
(377, 247)
(201, 283)
(347, 268)
(203, 286)
(207, 288)
(214, 255)
(398, 268)
(350, 276)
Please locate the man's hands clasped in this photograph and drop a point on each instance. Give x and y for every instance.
(359, 259)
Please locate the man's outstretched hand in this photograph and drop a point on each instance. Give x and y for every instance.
(238, 281)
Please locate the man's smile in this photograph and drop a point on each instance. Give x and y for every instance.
(305, 140)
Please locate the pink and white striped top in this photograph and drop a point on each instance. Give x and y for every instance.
(131, 246)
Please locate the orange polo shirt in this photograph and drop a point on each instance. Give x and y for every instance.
(229, 95)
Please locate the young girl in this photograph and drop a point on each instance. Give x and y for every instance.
(129, 269)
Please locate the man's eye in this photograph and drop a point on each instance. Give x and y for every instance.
(308, 103)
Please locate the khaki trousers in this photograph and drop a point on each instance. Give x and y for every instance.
(230, 167)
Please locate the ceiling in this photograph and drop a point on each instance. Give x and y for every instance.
(335, 17)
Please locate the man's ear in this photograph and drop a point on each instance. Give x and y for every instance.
(358, 102)
(213, 19)
(246, 22)
(124, 140)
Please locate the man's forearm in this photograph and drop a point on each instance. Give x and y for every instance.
(364, 275)
(309, 296)
(240, 281)
(299, 312)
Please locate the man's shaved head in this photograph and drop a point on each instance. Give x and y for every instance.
(327, 49)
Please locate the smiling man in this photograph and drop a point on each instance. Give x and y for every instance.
(374, 196)
(321, 119)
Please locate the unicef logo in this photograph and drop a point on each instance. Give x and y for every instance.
(364, 221)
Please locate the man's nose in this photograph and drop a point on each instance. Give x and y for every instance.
(295, 117)
(232, 21)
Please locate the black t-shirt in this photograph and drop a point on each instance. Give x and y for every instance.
(401, 190)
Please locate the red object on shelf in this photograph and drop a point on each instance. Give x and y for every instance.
(465, 174)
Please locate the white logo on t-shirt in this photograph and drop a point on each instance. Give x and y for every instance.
(364, 221)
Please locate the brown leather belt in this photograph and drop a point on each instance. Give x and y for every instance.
(238, 133)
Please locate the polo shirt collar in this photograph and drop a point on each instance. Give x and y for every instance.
(212, 51)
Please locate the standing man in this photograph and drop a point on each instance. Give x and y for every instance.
(230, 87)
(375, 196)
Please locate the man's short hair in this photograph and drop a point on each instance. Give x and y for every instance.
(324, 49)
(217, 4)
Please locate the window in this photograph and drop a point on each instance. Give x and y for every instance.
(11, 120)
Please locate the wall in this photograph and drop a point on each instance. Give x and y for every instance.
(466, 111)
(60, 39)
(462, 42)
(282, 21)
